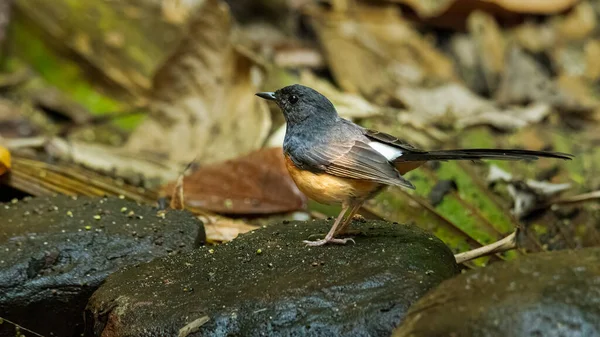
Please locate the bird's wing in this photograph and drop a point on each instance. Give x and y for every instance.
(353, 159)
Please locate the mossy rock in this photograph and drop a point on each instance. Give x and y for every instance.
(268, 282)
(56, 251)
(546, 294)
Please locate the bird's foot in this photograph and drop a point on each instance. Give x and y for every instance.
(325, 241)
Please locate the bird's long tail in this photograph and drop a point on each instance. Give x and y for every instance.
(475, 154)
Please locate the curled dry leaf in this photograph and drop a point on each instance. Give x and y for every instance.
(452, 104)
(527, 81)
(257, 183)
(223, 229)
(4, 160)
(203, 104)
(386, 51)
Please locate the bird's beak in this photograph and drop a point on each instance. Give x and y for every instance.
(267, 95)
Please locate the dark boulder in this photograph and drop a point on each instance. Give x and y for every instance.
(548, 294)
(268, 283)
(54, 252)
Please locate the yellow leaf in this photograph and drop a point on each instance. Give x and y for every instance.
(4, 160)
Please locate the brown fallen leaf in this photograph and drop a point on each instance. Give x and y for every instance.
(203, 104)
(435, 8)
(453, 13)
(257, 183)
(4, 160)
(386, 51)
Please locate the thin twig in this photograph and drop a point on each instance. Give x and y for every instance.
(20, 327)
(576, 198)
(508, 243)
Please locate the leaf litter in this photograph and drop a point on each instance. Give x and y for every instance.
(382, 66)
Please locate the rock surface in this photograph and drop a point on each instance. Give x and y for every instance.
(56, 251)
(548, 294)
(268, 283)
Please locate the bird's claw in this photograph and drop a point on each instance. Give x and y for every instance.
(325, 241)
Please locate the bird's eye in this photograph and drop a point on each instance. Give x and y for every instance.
(293, 99)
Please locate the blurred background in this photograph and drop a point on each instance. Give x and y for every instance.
(122, 97)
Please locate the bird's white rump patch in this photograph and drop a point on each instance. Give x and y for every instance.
(389, 152)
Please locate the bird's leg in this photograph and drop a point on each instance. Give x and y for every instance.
(329, 237)
(355, 207)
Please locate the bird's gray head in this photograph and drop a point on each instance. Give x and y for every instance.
(301, 104)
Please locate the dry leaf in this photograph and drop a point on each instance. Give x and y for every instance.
(114, 161)
(203, 96)
(436, 8)
(257, 183)
(298, 57)
(527, 81)
(578, 24)
(453, 104)
(222, 229)
(454, 13)
(592, 60)
(4, 160)
(385, 51)
(509, 118)
(490, 47)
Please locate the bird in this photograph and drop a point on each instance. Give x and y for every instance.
(335, 161)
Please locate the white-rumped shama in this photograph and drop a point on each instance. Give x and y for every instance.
(334, 161)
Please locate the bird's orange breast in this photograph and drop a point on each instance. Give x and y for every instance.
(329, 189)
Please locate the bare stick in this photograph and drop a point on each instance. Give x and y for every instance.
(577, 198)
(2, 319)
(508, 243)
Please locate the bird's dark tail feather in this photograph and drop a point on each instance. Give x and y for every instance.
(475, 154)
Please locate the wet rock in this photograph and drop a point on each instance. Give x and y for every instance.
(268, 283)
(54, 252)
(548, 294)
